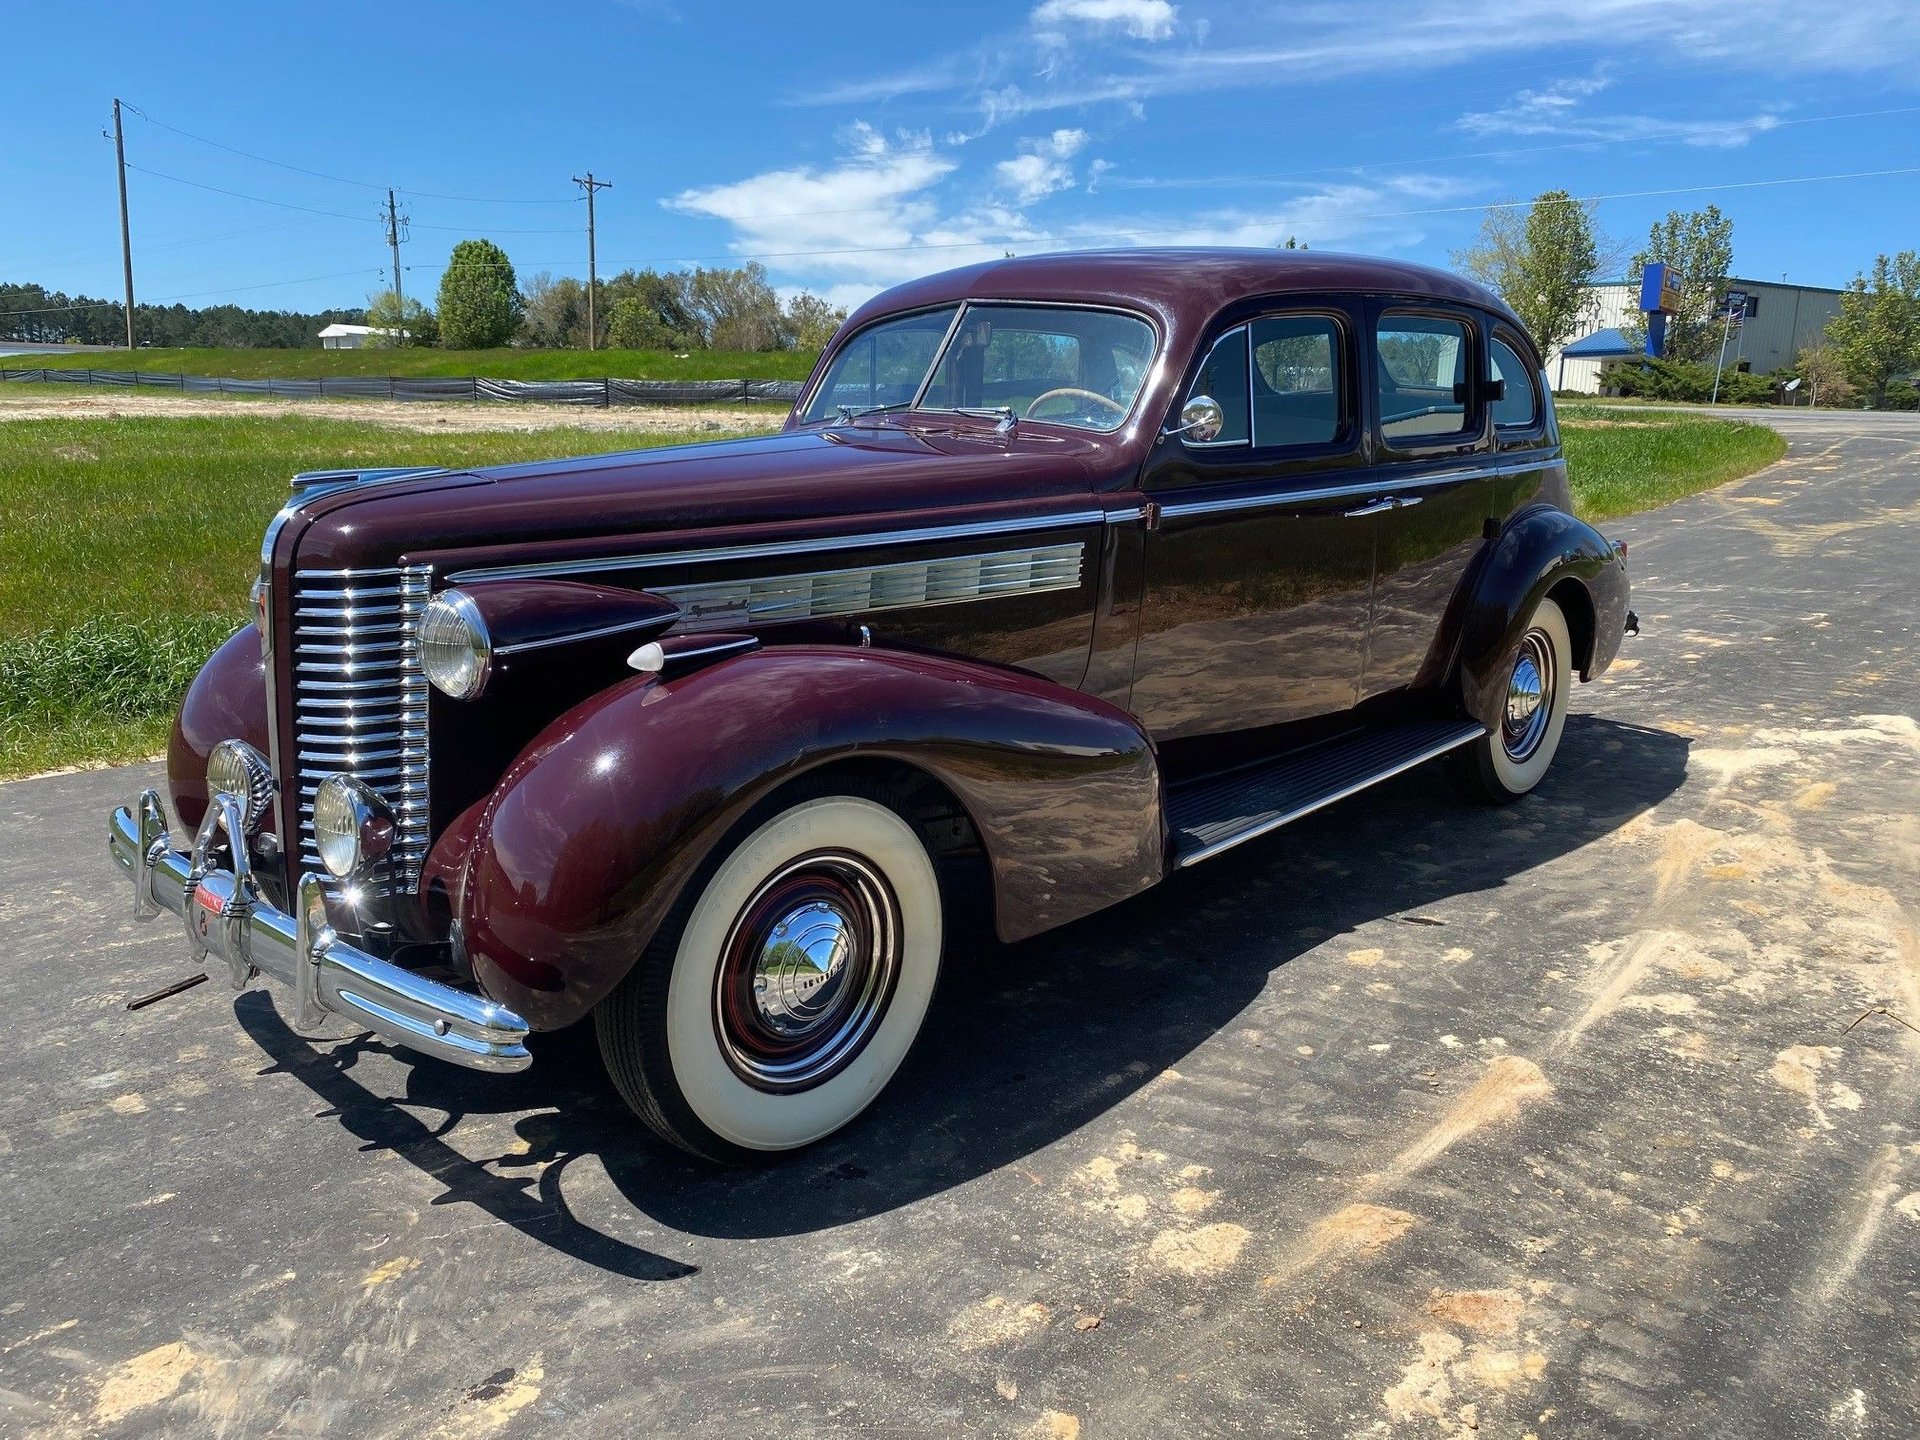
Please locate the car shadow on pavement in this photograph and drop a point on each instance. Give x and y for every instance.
(1025, 1044)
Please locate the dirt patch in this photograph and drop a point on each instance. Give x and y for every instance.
(1490, 1312)
(145, 1380)
(428, 417)
(1206, 1251)
(1510, 1082)
(997, 1321)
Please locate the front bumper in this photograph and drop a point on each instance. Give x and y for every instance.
(227, 915)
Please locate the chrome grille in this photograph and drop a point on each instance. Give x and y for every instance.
(360, 701)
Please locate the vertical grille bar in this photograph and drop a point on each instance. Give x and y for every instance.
(360, 701)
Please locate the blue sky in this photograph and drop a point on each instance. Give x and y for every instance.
(851, 147)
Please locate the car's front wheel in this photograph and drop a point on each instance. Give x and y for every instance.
(1513, 758)
(773, 1008)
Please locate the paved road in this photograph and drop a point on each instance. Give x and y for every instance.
(1413, 1120)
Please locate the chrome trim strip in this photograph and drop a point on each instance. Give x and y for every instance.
(773, 549)
(575, 636)
(1376, 486)
(1468, 733)
(910, 584)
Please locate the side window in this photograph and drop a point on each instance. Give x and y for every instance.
(1422, 377)
(1223, 375)
(1296, 380)
(1519, 407)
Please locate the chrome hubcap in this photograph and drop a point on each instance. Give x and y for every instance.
(1530, 696)
(809, 969)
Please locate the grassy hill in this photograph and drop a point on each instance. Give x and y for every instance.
(502, 364)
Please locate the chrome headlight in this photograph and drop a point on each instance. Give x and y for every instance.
(352, 826)
(456, 652)
(235, 768)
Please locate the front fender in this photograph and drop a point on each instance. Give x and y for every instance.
(582, 848)
(1539, 551)
(227, 701)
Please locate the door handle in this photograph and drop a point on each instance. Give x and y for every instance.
(1384, 504)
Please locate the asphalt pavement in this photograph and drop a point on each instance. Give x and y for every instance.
(1590, 1116)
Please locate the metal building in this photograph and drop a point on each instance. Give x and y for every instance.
(1786, 319)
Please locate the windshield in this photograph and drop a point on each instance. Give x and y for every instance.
(1060, 364)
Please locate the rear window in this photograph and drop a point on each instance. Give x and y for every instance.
(1520, 406)
(1422, 377)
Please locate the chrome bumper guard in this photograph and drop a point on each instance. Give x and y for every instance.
(227, 915)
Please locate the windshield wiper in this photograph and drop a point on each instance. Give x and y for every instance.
(1003, 413)
(848, 413)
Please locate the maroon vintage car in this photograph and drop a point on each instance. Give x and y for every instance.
(1063, 573)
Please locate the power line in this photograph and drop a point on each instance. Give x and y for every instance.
(331, 214)
(337, 179)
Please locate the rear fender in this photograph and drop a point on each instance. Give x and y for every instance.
(580, 851)
(1539, 551)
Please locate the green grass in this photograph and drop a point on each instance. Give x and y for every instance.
(1622, 461)
(502, 364)
(127, 546)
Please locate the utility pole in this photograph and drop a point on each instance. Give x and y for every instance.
(126, 236)
(593, 281)
(394, 221)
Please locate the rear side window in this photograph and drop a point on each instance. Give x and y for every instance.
(1296, 380)
(1223, 375)
(1520, 406)
(1422, 377)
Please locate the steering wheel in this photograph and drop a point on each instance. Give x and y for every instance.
(1074, 392)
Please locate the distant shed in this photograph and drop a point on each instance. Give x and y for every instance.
(349, 337)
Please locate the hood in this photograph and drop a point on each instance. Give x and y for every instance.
(791, 480)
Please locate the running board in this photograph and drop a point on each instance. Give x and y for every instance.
(1218, 813)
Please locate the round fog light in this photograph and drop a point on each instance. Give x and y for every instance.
(235, 768)
(352, 826)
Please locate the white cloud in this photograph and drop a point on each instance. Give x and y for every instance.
(1042, 167)
(1142, 19)
(1557, 110)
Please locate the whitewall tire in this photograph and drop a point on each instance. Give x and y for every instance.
(1515, 756)
(771, 1012)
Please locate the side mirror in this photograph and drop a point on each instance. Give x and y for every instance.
(1201, 420)
(1494, 390)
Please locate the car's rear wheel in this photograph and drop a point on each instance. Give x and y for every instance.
(775, 1006)
(1512, 759)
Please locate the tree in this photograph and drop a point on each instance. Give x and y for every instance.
(399, 321)
(479, 302)
(1541, 262)
(554, 312)
(1876, 335)
(809, 322)
(657, 313)
(1820, 370)
(735, 309)
(1696, 245)
(633, 324)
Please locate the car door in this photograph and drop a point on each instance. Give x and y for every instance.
(1440, 493)
(1256, 578)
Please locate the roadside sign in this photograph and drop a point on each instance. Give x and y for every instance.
(1659, 289)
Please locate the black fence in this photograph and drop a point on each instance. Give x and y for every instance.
(403, 387)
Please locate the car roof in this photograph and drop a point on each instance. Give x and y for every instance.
(1183, 286)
